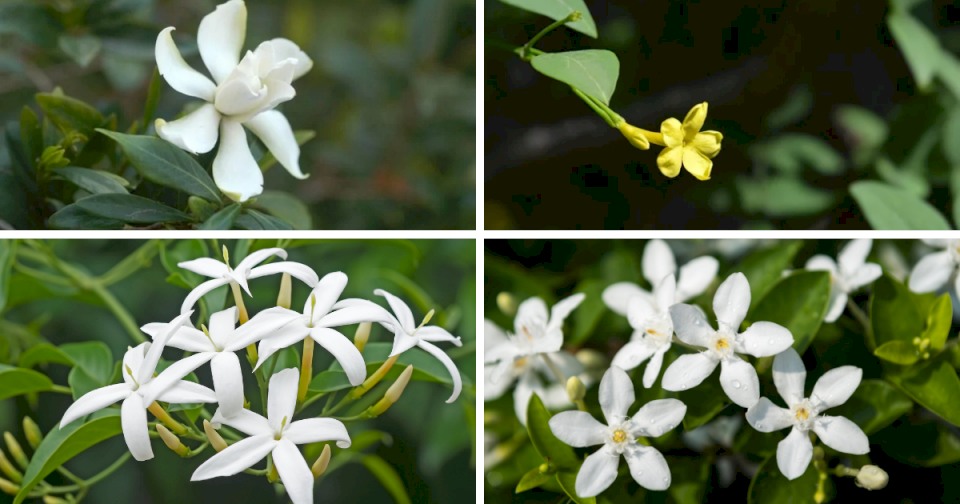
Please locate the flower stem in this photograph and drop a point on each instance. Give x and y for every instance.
(525, 50)
(61, 389)
(860, 315)
(553, 367)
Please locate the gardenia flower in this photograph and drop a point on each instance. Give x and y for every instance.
(647, 465)
(737, 377)
(138, 391)
(245, 94)
(849, 273)
(223, 274)
(935, 269)
(687, 146)
(832, 389)
(216, 346)
(277, 434)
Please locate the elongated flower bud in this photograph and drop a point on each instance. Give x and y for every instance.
(7, 467)
(172, 441)
(392, 395)
(373, 379)
(216, 441)
(9, 487)
(32, 431)
(362, 335)
(321, 464)
(872, 477)
(165, 417)
(15, 451)
(306, 369)
(52, 499)
(286, 286)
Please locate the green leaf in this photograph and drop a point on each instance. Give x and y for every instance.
(166, 164)
(532, 479)
(936, 387)
(703, 402)
(285, 359)
(590, 310)
(919, 46)
(763, 268)
(8, 252)
(253, 220)
(951, 132)
(593, 71)
(690, 479)
(768, 485)
(939, 319)
(15, 381)
(568, 483)
(911, 181)
(557, 453)
(31, 136)
(153, 96)
(43, 353)
(81, 383)
(302, 137)
(223, 219)
(874, 405)
(94, 181)
(781, 196)
(867, 132)
(788, 151)
(388, 477)
(130, 208)
(31, 21)
(898, 352)
(894, 314)
(82, 49)
(61, 445)
(70, 114)
(947, 449)
(798, 302)
(285, 207)
(560, 9)
(99, 146)
(94, 357)
(891, 208)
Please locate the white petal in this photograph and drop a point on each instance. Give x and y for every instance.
(794, 454)
(284, 337)
(275, 132)
(400, 309)
(152, 356)
(95, 400)
(789, 376)
(186, 338)
(821, 262)
(492, 335)
(866, 274)
(633, 354)
(178, 73)
(195, 132)
(257, 257)
(841, 434)
(838, 300)
(640, 309)
(227, 382)
(695, 277)
(691, 325)
(495, 388)
(568, 365)
(688, 371)
(315, 430)
(550, 342)
(931, 272)
(598, 472)
(326, 293)
(220, 38)
(205, 266)
(284, 49)
(186, 392)
(616, 394)
(201, 290)
(836, 386)
(531, 311)
(527, 385)
(349, 314)
(344, 351)
(648, 467)
(763, 339)
(262, 324)
(282, 397)
(732, 300)
(657, 417)
(447, 363)
(617, 295)
(245, 421)
(294, 472)
(578, 428)
(132, 362)
(665, 292)
(854, 255)
(402, 342)
(937, 242)
(236, 457)
(563, 308)
(173, 374)
(437, 333)
(222, 325)
(299, 271)
(657, 261)
(740, 381)
(133, 421)
(235, 171)
(768, 417)
(652, 371)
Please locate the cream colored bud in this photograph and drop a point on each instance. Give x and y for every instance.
(592, 359)
(286, 288)
(216, 441)
(9, 487)
(872, 477)
(362, 335)
(226, 256)
(575, 389)
(172, 441)
(507, 303)
(32, 431)
(321, 464)
(15, 451)
(7, 467)
(52, 499)
(393, 393)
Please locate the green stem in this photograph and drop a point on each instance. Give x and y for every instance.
(595, 106)
(556, 371)
(140, 258)
(126, 320)
(310, 401)
(61, 389)
(69, 475)
(573, 16)
(108, 471)
(859, 314)
(343, 402)
(42, 275)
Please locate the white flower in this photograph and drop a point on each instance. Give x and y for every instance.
(223, 274)
(516, 364)
(658, 262)
(217, 348)
(935, 269)
(849, 273)
(737, 377)
(407, 334)
(832, 389)
(245, 93)
(653, 330)
(618, 437)
(277, 434)
(138, 391)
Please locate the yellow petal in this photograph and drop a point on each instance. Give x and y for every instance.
(672, 134)
(696, 163)
(694, 121)
(634, 136)
(669, 160)
(708, 143)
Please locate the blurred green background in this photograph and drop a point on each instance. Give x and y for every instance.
(391, 94)
(430, 444)
(780, 78)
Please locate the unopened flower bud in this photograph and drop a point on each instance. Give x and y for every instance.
(172, 441)
(15, 451)
(362, 335)
(52, 499)
(283, 299)
(393, 393)
(32, 431)
(575, 389)
(9, 487)
(507, 303)
(592, 359)
(165, 417)
(321, 464)
(216, 441)
(7, 467)
(546, 468)
(872, 477)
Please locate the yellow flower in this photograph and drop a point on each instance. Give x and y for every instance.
(636, 136)
(687, 146)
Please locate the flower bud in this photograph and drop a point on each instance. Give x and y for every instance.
(393, 393)
(362, 335)
(15, 451)
(507, 303)
(872, 477)
(321, 464)
(373, 379)
(575, 389)
(52, 499)
(283, 299)
(32, 431)
(165, 417)
(216, 441)
(634, 135)
(592, 359)
(9, 487)
(172, 441)
(9, 469)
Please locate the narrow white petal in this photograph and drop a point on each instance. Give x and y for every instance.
(152, 356)
(763, 339)
(279, 339)
(356, 313)
(657, 261)
(447, 363)
(173, 374)
(437, 333)
(201, 290)
(235, 171)
(195, 132)
(245, 421)
(568, 365)
(841, 434)
(344, 351)
(821, 262)
(550, 342)
(274, 130)
(258, 256)
(187, 392)
(315, 430)
(527, 385)
(177, 72)
(617, 295)
(932, 272)
(294, 472)
(262, 325)
(531, 311)
(648, 467)
(838, 300)
(740, 381)
(326, 293)
(578, 428)
(220, 38)
(133, 421)
(132, 362)
(562, 309)
(665, 292)
(789, 376)
(493, 336)
(222, 325)
(765, 416)
(95, 400)
(640, 309)
(205, 266)
(282, 397)
(616, 394)
(402, 342)
(495, 386)
(794, 454)
(236, 457)
(854, 255)
(695, 277)
(284, 49)
(186, 338)
(400, 309)
(657, 417)
(597, 472)
(691, 325)
(227, 382)
(688, 371)
(836, 386)
(299, 271)
(864, 275)
(653, 367)
(732, 300)
(633, 354)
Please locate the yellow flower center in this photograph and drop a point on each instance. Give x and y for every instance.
(619, 436)
(519, 363)
(802, 414)
(722, 344)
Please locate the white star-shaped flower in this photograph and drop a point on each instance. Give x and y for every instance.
(737, 377)
(599, 470)
(849, 273)
(652, 330)
(832, 389)
(935, 269)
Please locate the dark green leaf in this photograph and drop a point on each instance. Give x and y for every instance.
(560, 9)
(8, 252)
(285, 207)
(892, 208)
(936, 387)
(70, 114)
(388, 477)
(798, 302)
(130, 208)
(768, 485)
(284, 359)
(153, 96)
(590, 310)
(92, 180)
(898, 352)
(15, 381)
(31, 21)
(947, 449)
(764, 268)
(568, 483)
(31, 137)
(593, 71)
(81, 383)
(893, 312)
(557, 453)
(703, 402)
(874, 405)
(43, 353)
(223, 219)
(99, 145)
(253, 220)
(74, 217)
(94, 357)
(532, 479)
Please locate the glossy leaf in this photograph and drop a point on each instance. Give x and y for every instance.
(130, 208)
(74, 217)
(43, 353)
(798, 302)
(388, 477)
(891, 208)
(70, 114)
(764, 268)
(898, 352)
(874, 405)
(939, 319)
(558, 453)
(153, 96)
(223, 219)
(593, 71)
(947, 449)
(936, 387)
(560, 9)
(94, 357)
(568, 482)
(919, 46)
(16, 381)
(532, 479)
(285, 207)
(253, 220)
(894, 314)
(769, 485)
(589, 312)
(94, 181)
(703, 402)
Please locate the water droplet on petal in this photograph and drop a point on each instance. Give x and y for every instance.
(736, 384)
(639, 473)
(769, 341)
(652, 421)
(666, 479)
(686, 375)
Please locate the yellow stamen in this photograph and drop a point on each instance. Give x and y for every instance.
(803, 414)
(619, 436)
(207, 334)
(130, 372)
(722, 344)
